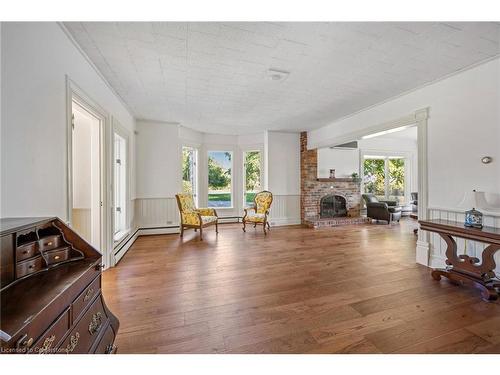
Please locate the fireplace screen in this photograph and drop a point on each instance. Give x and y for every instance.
(332, 206)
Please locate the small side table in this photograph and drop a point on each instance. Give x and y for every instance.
(464, 269)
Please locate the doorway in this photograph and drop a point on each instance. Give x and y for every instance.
(86, 177)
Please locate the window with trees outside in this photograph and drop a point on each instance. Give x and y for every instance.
(252, 176)
(385, 177)
(190, 171)
(220, 179)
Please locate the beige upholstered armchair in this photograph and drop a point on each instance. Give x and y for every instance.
(257, 214)
(192, 217)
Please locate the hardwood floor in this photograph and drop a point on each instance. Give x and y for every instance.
(353, 289)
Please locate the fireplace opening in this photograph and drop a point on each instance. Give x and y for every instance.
(332, 206)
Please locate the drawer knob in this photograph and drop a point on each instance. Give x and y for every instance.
(56, 257)
(73, 342)
(95, 323)
(49, 243)
(24, 342)
(90, 293)
(47, 344)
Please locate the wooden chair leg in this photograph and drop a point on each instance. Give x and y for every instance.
(244, 226)
(182, 230)
(216, 227)
(201, 234)
(268, 226)
(254, 225)
(264, 226)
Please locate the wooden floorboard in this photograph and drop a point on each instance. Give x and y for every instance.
(352, 289)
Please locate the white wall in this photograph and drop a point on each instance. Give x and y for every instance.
(36, 57)
(283, 162)
(345, 162)
(158, 160)
(282, 166)
(463, 126)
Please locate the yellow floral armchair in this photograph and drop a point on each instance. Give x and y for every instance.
(258, 213)
(192, 217)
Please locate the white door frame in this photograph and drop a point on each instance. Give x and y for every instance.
(75, 93)
(124, 133)
(420, 119)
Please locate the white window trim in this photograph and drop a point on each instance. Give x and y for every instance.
(196, 147)
(124, 133)
(244, 150)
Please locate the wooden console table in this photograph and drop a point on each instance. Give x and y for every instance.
(464, 269)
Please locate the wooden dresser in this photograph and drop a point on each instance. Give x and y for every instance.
(51, 300)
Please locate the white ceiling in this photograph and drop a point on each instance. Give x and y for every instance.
(212, 76)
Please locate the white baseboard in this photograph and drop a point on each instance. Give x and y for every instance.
(279, 221)
(160, 230)
(123, 250)
(423, 253)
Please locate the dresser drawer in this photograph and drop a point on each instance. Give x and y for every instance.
(29, 266)
(57, 255)
(50, 242)
(106, 345)
(26, 251)
(52, 337)
(85, 298)
(87, 329)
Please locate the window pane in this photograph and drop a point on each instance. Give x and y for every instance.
(219, 179)
(397, 179)
(252, 175)
(374, 180)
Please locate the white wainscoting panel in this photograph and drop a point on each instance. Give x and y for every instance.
(471, 248)
(156, 212)
(285, 210)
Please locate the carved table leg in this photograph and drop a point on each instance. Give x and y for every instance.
(465, 269)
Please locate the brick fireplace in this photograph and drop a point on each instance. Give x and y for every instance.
(340, 198)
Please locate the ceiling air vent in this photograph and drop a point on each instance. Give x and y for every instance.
(347, 146)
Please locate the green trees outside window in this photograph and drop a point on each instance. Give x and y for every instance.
(385, 177)
(252, 163)
(219, 179)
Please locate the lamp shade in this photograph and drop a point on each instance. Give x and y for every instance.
(469, 200)
(488, 201)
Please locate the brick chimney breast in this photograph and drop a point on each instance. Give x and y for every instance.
(312, 190)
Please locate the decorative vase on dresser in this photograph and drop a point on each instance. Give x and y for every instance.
(51, 300)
